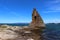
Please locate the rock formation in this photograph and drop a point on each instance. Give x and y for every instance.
(37, 21)
(31, 32)
(37, 25)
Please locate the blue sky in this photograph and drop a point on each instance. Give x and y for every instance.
(20, 11)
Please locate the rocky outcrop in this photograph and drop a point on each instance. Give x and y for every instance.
(31, 32)
(37, 21)
(37, 25)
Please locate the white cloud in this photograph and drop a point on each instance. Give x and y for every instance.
(55, 8)
(54, 11)
(48, 11)
(52, 21)
(53, 1)
(52, 6)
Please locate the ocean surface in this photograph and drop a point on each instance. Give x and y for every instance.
(52, 31)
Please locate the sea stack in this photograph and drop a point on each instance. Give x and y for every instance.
(37, 21)
(37, 25)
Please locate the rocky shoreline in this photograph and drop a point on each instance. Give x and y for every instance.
(31, 32)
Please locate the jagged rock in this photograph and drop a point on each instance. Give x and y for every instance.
(37, 21)
(36, 25)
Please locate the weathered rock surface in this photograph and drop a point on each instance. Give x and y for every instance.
(37, 21)
(7, 33)
(13, 33)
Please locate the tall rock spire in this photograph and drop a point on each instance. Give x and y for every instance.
(37, 21)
